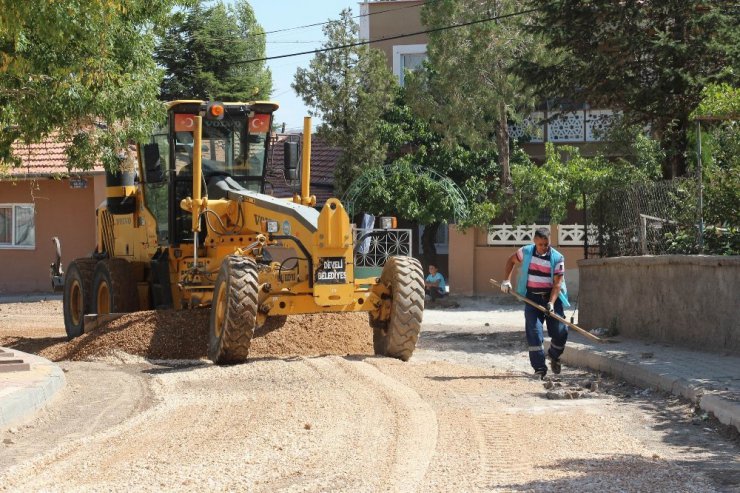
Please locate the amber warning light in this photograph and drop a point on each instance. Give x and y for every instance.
(215, 111)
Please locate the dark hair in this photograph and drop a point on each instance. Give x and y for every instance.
(542, 233)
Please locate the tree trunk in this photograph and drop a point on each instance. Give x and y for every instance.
(674, 140)
(502, 145)
(427, 243)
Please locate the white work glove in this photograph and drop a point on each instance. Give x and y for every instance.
(506, 286)
(550, 308)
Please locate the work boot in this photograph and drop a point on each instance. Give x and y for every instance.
(555, 365)
(541, 372)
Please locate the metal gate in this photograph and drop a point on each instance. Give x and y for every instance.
(373, 247)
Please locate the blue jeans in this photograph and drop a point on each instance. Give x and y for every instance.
(557, 331)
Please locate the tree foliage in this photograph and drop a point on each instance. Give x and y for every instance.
(649, 58)
(566, 176)
(720, 136)
(468, 90)
(412, 143)
(80, 68)
(424, 176)
(201, 54)
(349, 88)
(721, 101)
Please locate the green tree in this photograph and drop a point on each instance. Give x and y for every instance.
(349, 88)
(719, 112)
(650, 59)
(414, 186)
(566, 176)
(719, 101)
(468, 90)
(202, 54)
(80, 68)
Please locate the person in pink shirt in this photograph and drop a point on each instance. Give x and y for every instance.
(541, 280)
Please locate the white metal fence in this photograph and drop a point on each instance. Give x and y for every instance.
(568, 234)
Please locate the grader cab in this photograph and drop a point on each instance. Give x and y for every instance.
(190, 226)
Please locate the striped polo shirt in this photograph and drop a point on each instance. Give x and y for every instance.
(538, 277)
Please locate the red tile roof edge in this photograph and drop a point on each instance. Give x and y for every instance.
(46, 158)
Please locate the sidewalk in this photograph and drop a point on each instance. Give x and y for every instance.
(27, 382)
(710, 380)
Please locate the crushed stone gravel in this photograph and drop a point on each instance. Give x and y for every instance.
(169, 334)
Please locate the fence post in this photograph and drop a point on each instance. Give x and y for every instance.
(585, 227)
(643, 234)
(701, 186)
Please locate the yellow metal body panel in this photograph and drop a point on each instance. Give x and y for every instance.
(333, 239)
(291, 305)
(120, 191)
(238, 230)
(271, 104)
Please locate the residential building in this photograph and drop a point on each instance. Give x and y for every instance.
(40, 200)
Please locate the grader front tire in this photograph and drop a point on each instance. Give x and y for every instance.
(397, 336)
(114, 287)
(77, 298)
(234, 311)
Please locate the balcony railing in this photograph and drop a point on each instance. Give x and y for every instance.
(569, 126)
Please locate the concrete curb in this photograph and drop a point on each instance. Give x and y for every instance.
(23, 393)
(725, 410)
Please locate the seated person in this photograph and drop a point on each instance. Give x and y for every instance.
(434, 284)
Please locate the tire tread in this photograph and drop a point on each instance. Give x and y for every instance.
(405, 277)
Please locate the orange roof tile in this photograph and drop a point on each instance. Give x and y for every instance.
(324, 159)
(46, 158)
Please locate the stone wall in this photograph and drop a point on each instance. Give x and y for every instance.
(692, 301)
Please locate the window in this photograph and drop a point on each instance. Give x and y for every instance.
(407, 57)
(17, 227)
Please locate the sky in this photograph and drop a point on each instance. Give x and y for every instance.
(272, 15)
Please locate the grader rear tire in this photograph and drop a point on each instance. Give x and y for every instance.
(77, 298)
(398, 335)
(234, 311)
(114, 287)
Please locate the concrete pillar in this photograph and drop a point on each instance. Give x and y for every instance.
(461, 261)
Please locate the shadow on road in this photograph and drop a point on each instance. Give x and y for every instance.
(497, 342)
(645, 474)
(32, 345)
(505, 376)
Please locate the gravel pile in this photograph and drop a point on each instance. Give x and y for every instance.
(167, 334)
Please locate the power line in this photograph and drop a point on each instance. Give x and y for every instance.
(264, 33)
(293, 42)
(387, 38)
(354, 17)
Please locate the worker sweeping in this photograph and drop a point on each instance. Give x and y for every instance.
(541, 280)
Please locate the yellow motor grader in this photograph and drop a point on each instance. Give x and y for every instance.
(191, 226)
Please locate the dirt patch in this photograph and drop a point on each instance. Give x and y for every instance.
(167, 334)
